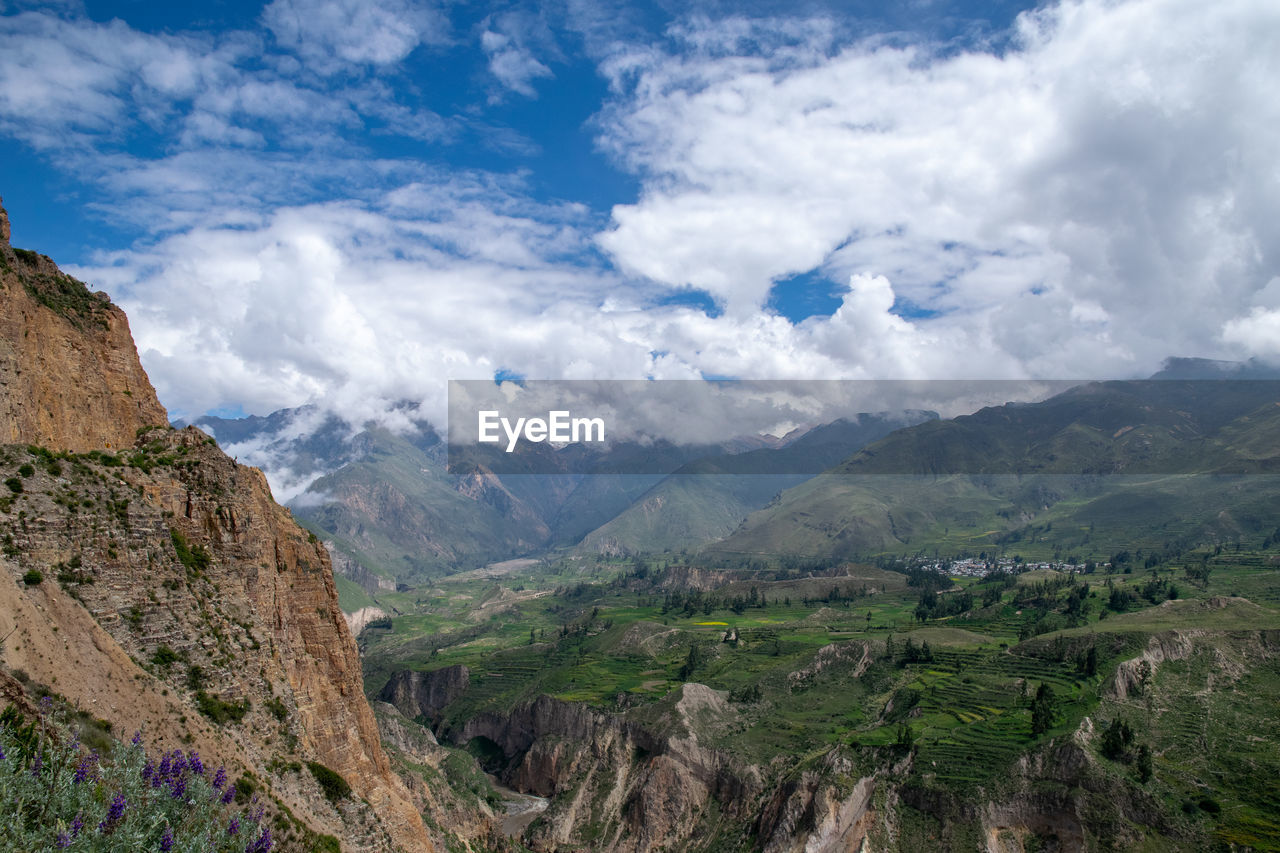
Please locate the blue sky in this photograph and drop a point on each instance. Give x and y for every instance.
(350, 203)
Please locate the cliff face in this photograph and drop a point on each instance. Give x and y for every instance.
(175, 585)
(69, 371)
(634, 782)
(426, 694)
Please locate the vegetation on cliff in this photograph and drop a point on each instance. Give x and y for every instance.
(59, 793)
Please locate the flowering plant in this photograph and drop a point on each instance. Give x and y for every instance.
(54, 795)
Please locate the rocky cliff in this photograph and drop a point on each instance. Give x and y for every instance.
(175, 594)
(69, 371)
(426, 694)
(633, 782)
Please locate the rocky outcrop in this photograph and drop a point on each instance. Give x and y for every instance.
(426, 694)
(1132, 675)
(358, 621)
(69, 371)
(851, 658)
(810, 814)
(462, 814)
(639, 781)
(174, 581)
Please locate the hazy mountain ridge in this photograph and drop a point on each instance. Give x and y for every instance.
(1112, 456)
(705, 500)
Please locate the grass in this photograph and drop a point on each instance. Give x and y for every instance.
(351, 596)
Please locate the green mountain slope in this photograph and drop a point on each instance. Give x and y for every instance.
(1098, 467)
(707, 499)
(397, 511)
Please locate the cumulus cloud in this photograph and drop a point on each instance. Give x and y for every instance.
(1090, 198)
(361, 306)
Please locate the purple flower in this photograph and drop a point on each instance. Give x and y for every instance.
(64, 840)
(178, 765)
(256, 814)
(76, 826)
(114, 814)
(137, 738)
(85, 769)
(179, 787)
(193, 761)
(228, 795)
(262, 845)
(164, 764)
(220, 778)
(148, 770)
(166, 840)
(1, 753)
(36, 766)
(233, 828)
(46, 704)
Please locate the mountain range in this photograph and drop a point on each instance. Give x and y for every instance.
(1169, 462)
(386, 500)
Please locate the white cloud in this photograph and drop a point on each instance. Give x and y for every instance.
(506, 40)
(359, 307)
(329, 34)
(85, 91)
(1100, 195)
(1257, 334)
(63, 77)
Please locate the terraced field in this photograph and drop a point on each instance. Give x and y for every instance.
(964, 706)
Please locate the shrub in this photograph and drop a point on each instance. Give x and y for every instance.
(164, 656)
(220, 710)
(245, 788)
(196, 559)
(277, 708)
(327, 844)
(333, 785)
(14, 484)
(26, 470)
(33, 577)
(196, 678)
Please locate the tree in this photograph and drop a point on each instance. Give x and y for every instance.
(1088, 663)
(691, 662)
(1116, 739)
(1144, 763)
(1044, 710)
